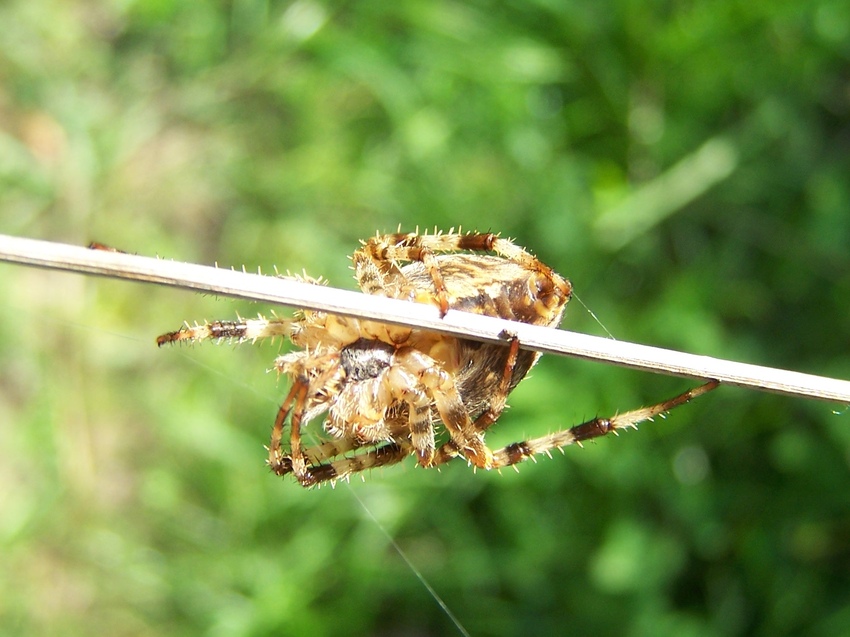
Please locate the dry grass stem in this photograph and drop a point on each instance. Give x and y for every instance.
(279, 291)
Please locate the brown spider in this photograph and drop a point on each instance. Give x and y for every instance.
(384, 388)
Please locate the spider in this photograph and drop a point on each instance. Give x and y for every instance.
(387, 390)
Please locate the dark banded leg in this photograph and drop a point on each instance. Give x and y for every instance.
(295, 461)
(378, 256)
(519, 451)
(330, 449)
(383, 456)
(497, 404)
(421, 427)
(241, 330)
(449, 449)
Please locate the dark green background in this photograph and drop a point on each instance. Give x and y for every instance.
(686, 164)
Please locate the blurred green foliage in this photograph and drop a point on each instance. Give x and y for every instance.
(685, 164)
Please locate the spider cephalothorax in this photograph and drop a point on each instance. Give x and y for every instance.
(388, 391)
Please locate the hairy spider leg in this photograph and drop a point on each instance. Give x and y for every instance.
(410, 247)
(276, 456)
(330, 449)
(441, 387)
(497, 405)
(418, 402)
(519, 451)
(484, 421)
(239, 330)
(318, 457)
(375, 266)
(296, 461)
(383, 456)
